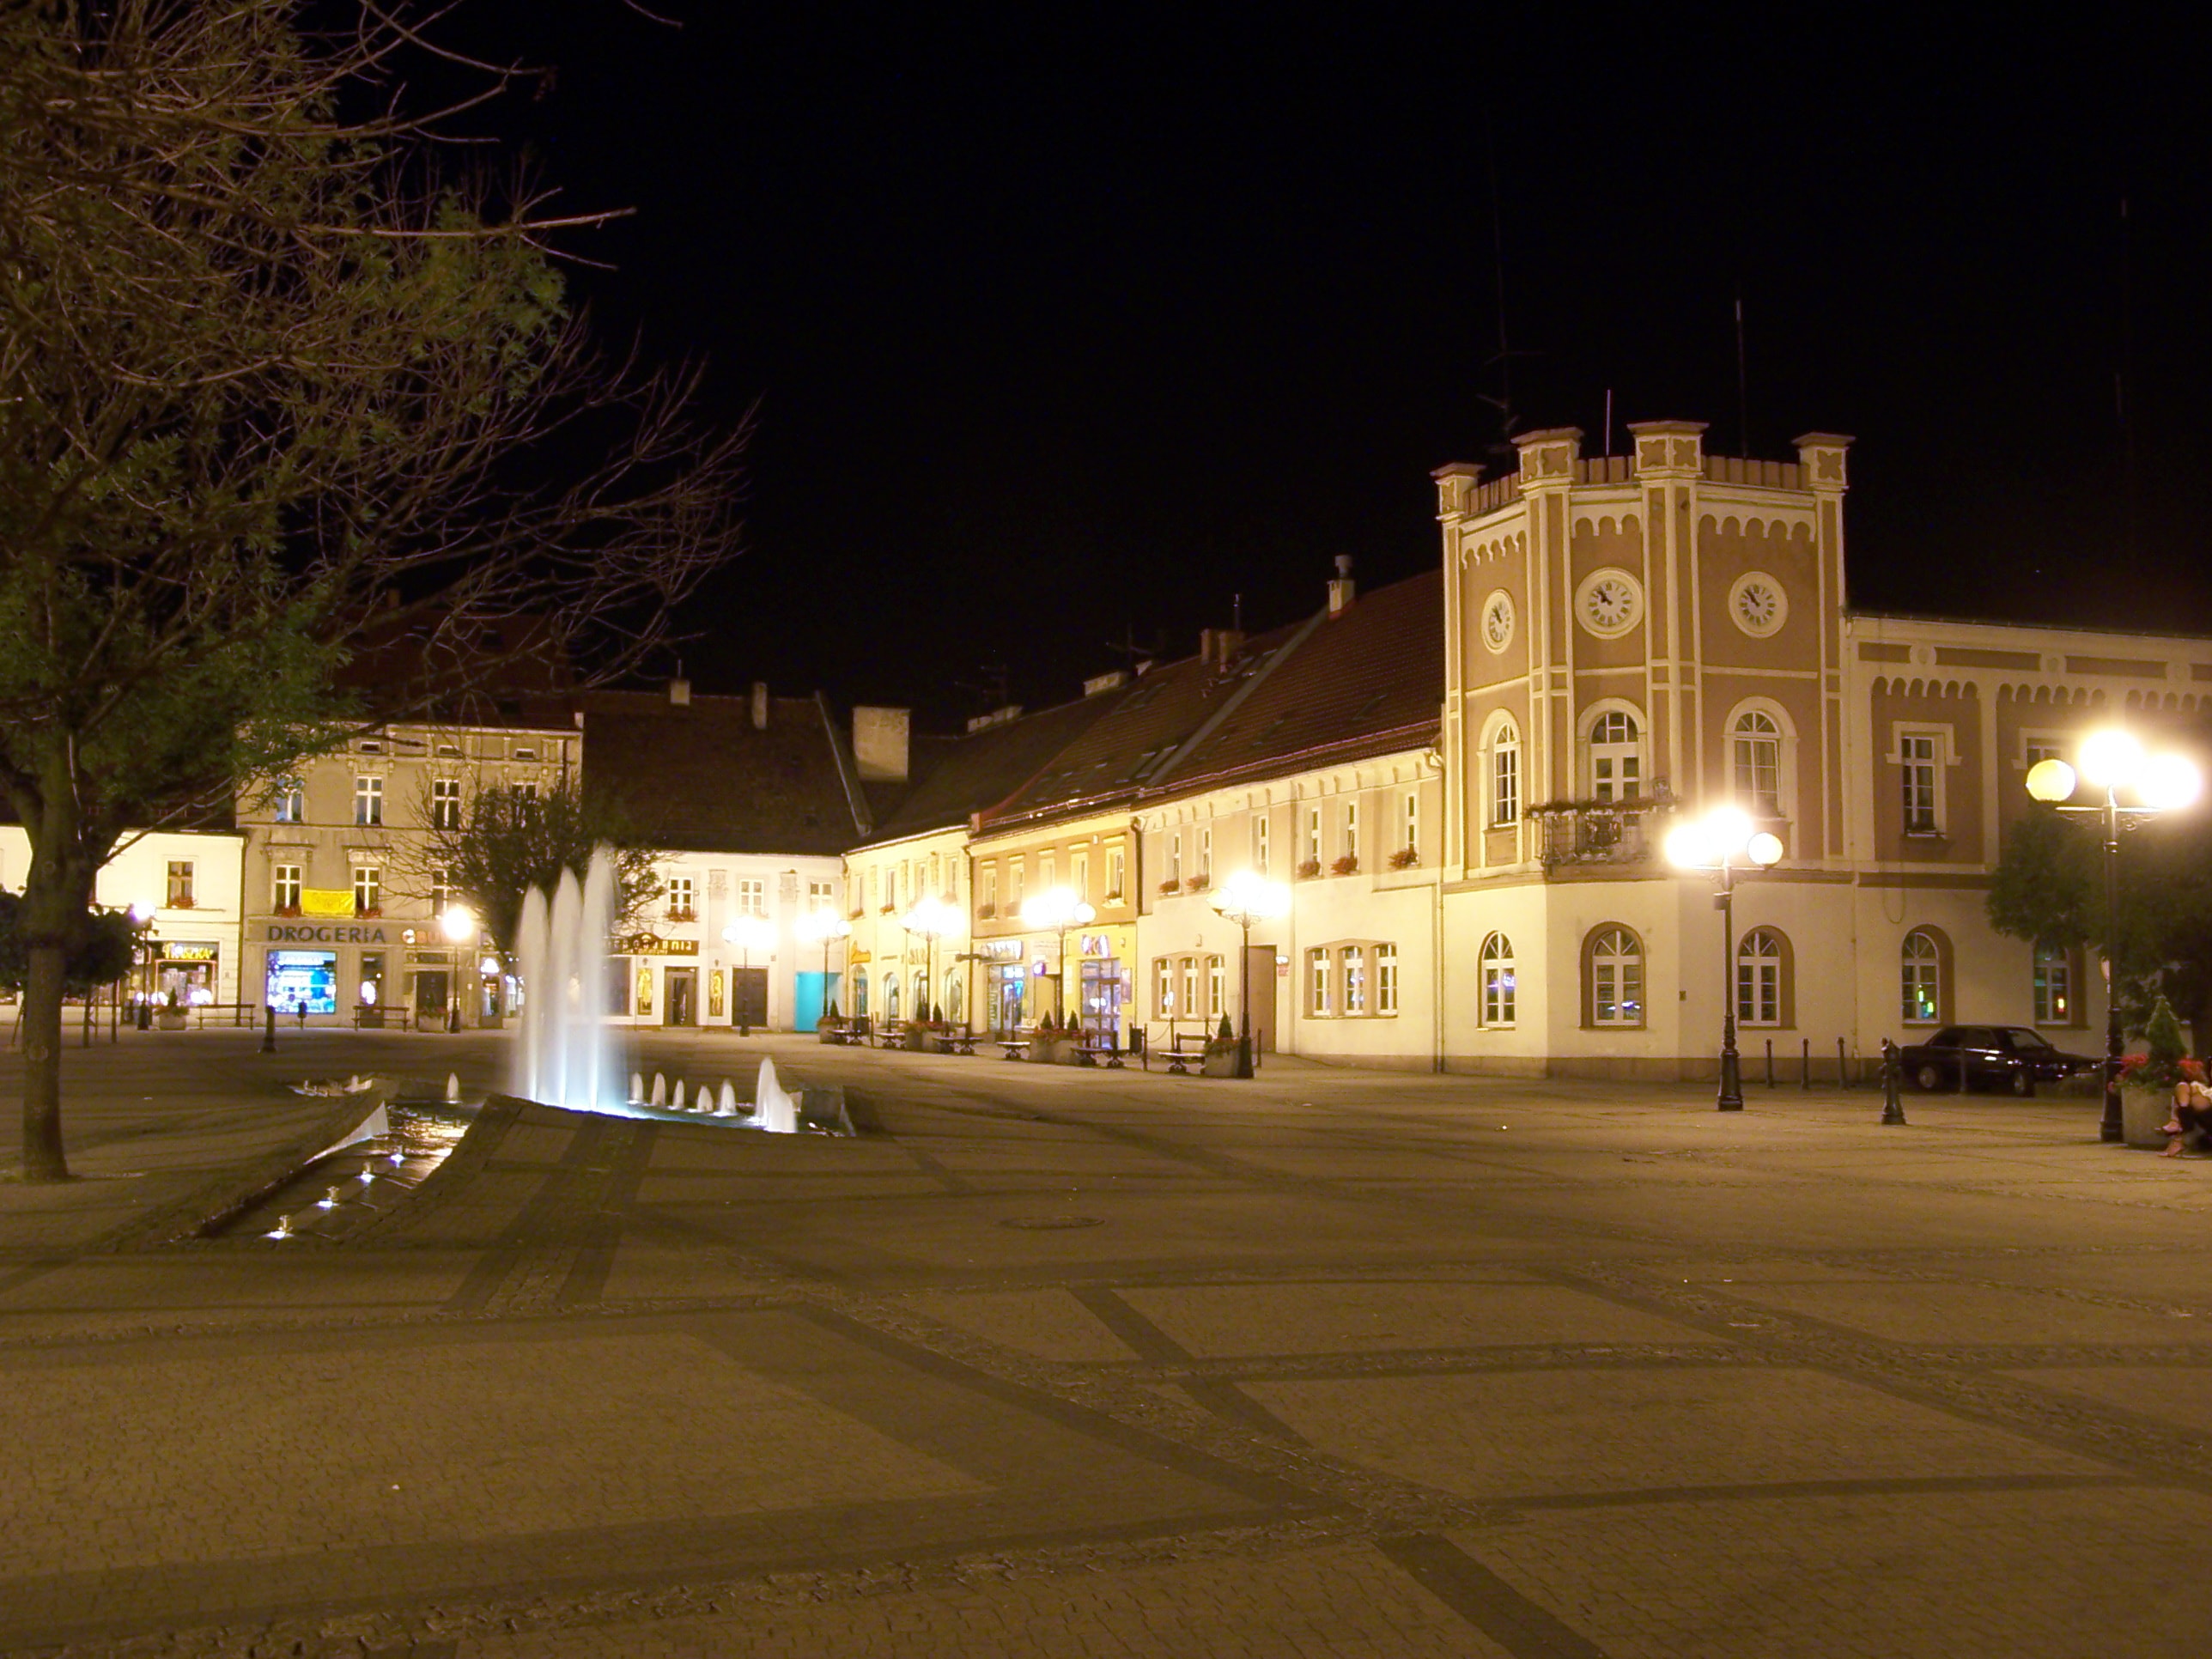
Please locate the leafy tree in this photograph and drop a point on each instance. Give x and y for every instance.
(101, 950)
(270, 394)
(506, 842)
(2049, 887)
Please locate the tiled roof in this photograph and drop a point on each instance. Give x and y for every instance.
(957, 777)
(1367, 680)
(699, 777)
(1118, 754)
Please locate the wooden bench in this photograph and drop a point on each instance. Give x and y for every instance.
(1093, 1053)
(1013, 1047)
(957, 1042)
(1183, 1047)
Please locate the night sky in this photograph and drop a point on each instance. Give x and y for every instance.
(1067, 324)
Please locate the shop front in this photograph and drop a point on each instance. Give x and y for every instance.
(655, 980)
(187, 970)
(328, 969)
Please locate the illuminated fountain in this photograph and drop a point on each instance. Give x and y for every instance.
(562, 1052)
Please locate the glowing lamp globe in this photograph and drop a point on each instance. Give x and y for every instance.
(1763, 850)
(2111, 759)
(2170, 782)
(2051, 780)
(1687, 847)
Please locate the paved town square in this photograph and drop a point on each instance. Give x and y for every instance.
(1055, 1361)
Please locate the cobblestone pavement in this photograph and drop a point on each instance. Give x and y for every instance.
(1076, 1363)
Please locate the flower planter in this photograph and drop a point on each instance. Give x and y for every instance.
(2141, 1112)
(1220, 1060)
(1055, 1050)
(171, 1019)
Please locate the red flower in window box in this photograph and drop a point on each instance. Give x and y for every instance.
(1348, 865)
(1171, 885)
(1311, 867)
(1405, 858)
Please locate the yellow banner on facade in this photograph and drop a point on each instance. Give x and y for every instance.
(326, 901)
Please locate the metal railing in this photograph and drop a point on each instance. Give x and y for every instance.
(1601, 832)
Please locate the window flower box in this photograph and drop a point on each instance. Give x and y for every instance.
(684, 915)
(1171, 885)
(1405, 858)
(1309, 869)
(1346, 865)
(888, 910)
(1199, 882)
(374, 912)
(987, 911)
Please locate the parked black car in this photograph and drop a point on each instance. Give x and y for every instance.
(2002, 1056)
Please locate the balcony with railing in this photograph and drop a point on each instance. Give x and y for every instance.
(1577, 833)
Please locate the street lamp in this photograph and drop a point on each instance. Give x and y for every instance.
(2112, 760)
(458, 925)
(823, 925)
(1719, 841)
(1246, 897)
(931, 918)
(746, 932)
(1056, 909)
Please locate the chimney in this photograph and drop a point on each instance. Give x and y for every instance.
(679, 693)
(880, 744)
(760, 705)
(1340, 587)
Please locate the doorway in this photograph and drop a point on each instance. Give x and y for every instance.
(682, 1000)
(1260, 963)
(432, 989)
(749, 995)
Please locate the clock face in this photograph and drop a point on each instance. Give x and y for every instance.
(1610, 603)
(1497, 620)
(1758, 603)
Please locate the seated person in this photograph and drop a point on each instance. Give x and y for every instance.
(2192, 1114)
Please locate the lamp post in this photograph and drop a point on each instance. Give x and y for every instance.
(1719, 841)
(931, 918)
(458, 925)
(2112, 760)
(745, 931)
(1056, 909)
(1246, 897)
(823, 925)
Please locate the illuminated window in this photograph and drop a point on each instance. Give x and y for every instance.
(679, 898)
(1386, 979)
(292, 803)
(1506, 775)
(180, 884)
(368, 888)
(445, 802)
(752, 895)
(367, 800)
(1355, 979)
(2054, 987)
(1317, 1002)
(1214, 979)
(1260, 843)
(1755, 749)
(1616, 978)
(1920, 978)
(1498, 981)
(285, 886)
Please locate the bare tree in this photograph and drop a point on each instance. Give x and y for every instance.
(279, 409)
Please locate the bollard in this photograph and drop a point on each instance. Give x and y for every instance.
(1893, 1108)
(1805, 1063)
(1769, 1062)
(269, 1030)
(1842, 1066)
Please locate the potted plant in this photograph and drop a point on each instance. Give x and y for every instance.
(1311, 868)
(1405, 858)
(1348, 865)
(2147, 1079)
(172, 1016)
(830, 1028)
(1199, 882)
(1171, 885)
(920, 1029)
(1222, 1052)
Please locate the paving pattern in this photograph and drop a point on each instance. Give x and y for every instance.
(1054, 1362)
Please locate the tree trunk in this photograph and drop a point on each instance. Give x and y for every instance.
(43, 1158)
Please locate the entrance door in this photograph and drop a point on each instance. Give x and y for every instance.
(1260, 963)
(749, 994)
(1102, 997)
(683, 1005)
(809, 1001)
(430, 993)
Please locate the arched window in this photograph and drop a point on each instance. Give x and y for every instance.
(1762, 979)
(1613, 975)
(1755, 763)
(891, 996)
(1920, 977)
(1505, 773)
(1497, 984)
(860, 994)
(1616, 757)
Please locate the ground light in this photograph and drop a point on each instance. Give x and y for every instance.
(2114, 761)
(1246, 897)
(1720, 842)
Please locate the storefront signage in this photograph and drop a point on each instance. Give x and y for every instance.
(300, 933)
(178, 951)
(651, 944)
(1001, 949)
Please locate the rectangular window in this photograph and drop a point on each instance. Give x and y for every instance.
(284, 887)
(1759, 990)
(1355, 979)
(989, 889)
(1214, 977)
(1413, 821)
(1047, 871)
(1313, 835)
(1174, 856)
(1116, 873)
(180, 884)
(445, 802)
(1260, 843)
(680, 899)
(368, 888)
(523, 753)
(1205, 854)
(2054, 988)
(1190, 1003)
(1352, 830)
(1386, 979)
(1505, 784)
(1078, 874)
(1317, 982)
(1017, 873)
(820, 894)
(752, 896)
(367, 800)
(1162, 988)
(292, 803)
(1917, 761)
(441, 890)
(1757, 768)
